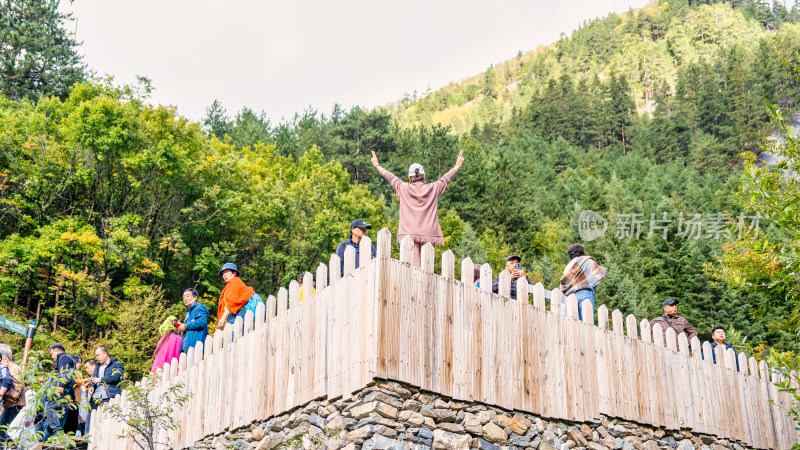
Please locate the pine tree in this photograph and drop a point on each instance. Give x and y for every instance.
(216, 120)
(38, 57)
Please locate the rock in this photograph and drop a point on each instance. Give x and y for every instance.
(377, 419)
(379, 442)
(586, 432)
(484, 417)
(402, 392)
(609, 441)
(383, 397)
(596, 446)
(336, 423)
(439, 403)
(316, 420)
(425, 433)
(696, 442)
(300, 418)
(411, 417)
(550, 438)
(539, 425)
(311, 407)
(577, 437)
(443, 440)
(519, 424)
(388, 411)
(430, 423)
(519, 441)
(546, 446)
(636, 441)
(686, 444)
(270, 442)
(595, 436)
(451, 427)
(483, 444)
(258, 433)
(456, 406)
(472, 424)
(536, 442)
(502, 420)
(669, 440)
(650, 445)
(445, 415)
(568, 445)
(602, 431)
(658, 434)
(618, 431)
(494, 434)
(427, 411)
(367, 431)
(412, 405)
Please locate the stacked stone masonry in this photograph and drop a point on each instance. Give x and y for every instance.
(392, 416)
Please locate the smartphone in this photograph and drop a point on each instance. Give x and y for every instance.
(519, 266)
(176, 324)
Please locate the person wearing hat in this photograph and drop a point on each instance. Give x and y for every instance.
(671, 319)
(234, 297)
(358, 229)
(419, 203)
(514, 267)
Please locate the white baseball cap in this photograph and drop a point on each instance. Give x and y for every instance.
(412, 169)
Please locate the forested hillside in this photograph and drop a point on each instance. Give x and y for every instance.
(112, 206)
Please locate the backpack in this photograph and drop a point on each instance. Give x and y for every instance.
(13, 394)
(252, 304)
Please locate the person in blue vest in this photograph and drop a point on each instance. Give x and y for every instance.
(195, 324)
(358, 229)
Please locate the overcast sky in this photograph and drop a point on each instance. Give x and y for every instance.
(282, 56)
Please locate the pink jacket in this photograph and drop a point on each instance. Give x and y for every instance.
(169, 349)
(419, 205)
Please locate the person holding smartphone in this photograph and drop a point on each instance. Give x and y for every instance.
(514, 267)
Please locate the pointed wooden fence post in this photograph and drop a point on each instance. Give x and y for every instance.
(406, 250)
(467, 271)
(538, 296)
(503, 284)
(335, 267)
(349, 260)
(602, 317)
(427, 256)
(364, 251)
(486, 277)
(448, 265)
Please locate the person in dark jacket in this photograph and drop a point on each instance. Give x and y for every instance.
(54, 406)
(104, 384)
(107, 375)
(718, 336)
(195, 324)
(514, 267)
(358, 229)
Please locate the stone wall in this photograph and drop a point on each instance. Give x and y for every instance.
(390, 416)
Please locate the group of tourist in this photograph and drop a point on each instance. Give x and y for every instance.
(72, 398)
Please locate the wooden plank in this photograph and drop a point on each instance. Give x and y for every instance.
(486, 278)
(427, 259)
(406, 250)
(572, 307)
(349, 260)
(602, 317)
(538, 296)
(504, 284)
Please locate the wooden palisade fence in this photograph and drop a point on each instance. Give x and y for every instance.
(390, 320)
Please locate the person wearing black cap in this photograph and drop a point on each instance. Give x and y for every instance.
(55, 417)
(514, 267)
(358, 229)
(671, 319)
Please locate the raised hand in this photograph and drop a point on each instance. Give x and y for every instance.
(459, 160)
(374, 160)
